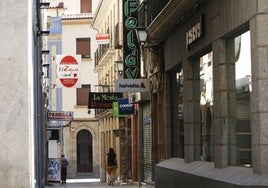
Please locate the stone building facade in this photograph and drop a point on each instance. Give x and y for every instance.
(208, 113)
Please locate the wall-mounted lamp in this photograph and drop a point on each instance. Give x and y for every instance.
(45, 52)
(141, 35)
(105, 87)
(44, 5)
(119, 67)
(43, 33)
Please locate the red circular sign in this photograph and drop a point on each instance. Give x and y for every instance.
(69, 71)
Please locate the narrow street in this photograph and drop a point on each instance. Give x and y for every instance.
(93, 182)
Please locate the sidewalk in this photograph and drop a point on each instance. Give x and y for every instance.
(92, 182)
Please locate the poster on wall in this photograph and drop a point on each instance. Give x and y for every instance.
(68, 71)
(54, 169)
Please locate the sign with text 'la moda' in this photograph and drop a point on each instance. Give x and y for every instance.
(102, 100)
(68, 71)
(132, 85)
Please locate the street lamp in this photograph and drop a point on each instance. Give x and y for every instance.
(119, 67)
(106, 88)
(141, 35)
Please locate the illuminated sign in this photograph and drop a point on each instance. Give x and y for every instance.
(130, 43)
(102, 100)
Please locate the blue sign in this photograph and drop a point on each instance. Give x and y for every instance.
(124, 107)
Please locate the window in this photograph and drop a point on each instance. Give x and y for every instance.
(83, 47)
(86, 6)
(82, 95)
(240, 89)
(206, 105)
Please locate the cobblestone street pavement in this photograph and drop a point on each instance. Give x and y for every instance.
(83, 183)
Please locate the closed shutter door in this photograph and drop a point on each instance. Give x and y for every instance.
(147, 143)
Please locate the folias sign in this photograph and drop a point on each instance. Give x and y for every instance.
(68, 71)
(130, 43)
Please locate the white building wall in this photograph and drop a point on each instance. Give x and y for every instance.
(87, 76)
(73, 27)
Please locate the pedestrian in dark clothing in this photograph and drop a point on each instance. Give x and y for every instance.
(111, 166)
(64, 164)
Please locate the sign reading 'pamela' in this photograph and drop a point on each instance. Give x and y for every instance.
(68, 71)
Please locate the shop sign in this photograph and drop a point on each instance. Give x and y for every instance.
(102, 38)
(116, 110)
(102, 100)
(60, 115)
(124, 107)
(194, 33)
(68, 71)
(132, 85)
(130, 43)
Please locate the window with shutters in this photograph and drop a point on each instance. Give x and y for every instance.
(82, 95)
(86, 6)
(83, 47)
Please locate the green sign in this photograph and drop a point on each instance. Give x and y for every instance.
(116, 110)
(130, 42)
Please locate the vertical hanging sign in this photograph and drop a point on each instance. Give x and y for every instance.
(68, 71)
(130, 43)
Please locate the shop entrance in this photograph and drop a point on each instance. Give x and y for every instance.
(84, 152)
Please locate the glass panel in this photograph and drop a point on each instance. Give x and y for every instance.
(179, 77)
(206, 103)
(243, 89)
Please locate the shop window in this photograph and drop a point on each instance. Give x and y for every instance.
(206, 104)
(83, 47)
(82, 95)
(179, 79)
(240, 134)
(86, 6)
(177, 111)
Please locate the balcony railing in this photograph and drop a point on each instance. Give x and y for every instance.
(100, 51)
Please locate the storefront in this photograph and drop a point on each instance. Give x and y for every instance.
(214, 97)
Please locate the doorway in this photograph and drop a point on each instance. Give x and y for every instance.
(84, 152)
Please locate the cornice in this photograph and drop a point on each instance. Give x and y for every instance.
(171, 15)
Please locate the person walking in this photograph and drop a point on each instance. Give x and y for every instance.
(64, 164)
(111, 166)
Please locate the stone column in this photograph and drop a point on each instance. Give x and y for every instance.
(259, 98)
(220, 104)
(188, 81)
